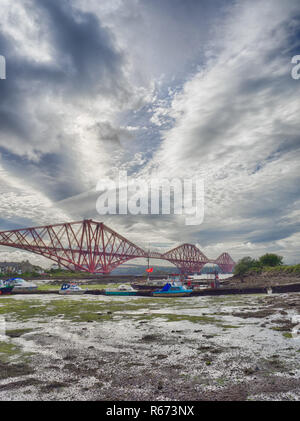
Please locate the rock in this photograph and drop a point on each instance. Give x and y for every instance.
(249, 371)
(149, 338)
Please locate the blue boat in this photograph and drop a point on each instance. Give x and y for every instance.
(20, 285)
(176, 289)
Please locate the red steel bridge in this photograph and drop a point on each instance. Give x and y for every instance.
(93, 247)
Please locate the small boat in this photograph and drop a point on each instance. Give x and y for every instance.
(20, 285)
(176, 289)
(5, 289)
(71, 289)
(121, 290)
(149, 284)
(153, 284)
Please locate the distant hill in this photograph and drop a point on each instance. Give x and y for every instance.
(131, 269)
(141, 270)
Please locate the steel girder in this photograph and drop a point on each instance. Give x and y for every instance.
(85, 245)
(187, 257)
(225, 262)
(93, 247)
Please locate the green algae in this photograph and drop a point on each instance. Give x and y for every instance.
(82, 311)
(8, 350)
(16, 333)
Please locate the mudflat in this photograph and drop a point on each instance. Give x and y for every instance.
(240, 347)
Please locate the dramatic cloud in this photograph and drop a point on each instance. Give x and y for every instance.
(175, 88)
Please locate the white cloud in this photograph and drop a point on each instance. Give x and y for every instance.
(215, 82)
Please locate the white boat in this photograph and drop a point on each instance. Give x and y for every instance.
(71, 289)
(121, 290)
(20, 285)
(156, 282)
(153, 284)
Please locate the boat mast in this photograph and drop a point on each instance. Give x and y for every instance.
(148, 277)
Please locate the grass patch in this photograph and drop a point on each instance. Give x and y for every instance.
(228, 326)
(221, 381)
(16, 333)
(174, 317)
(13, 370)
(8, 350)
(84, 310)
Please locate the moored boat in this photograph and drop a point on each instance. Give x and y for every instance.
(20, 285)
(71, 289)
(153, 284)
(175, 289)
(121, 290)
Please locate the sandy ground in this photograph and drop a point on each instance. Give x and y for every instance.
(238, 347)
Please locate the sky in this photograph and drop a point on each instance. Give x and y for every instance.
(157, 88)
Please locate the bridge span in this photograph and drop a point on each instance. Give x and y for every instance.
(93, 247)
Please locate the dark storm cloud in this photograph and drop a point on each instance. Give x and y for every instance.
(84, 49)
(16, 223)
(23, 79)
(274, 233)
(85, 63)
(46, 172)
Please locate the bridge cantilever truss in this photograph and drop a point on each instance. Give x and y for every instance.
(93, 247)
(187, 257)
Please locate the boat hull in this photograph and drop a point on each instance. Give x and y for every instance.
(71, 292)
(171, 294)
(20, 289)
(146, 287)
(6, 290)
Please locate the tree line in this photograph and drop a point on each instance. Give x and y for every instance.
(248, 264)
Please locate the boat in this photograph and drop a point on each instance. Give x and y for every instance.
(153, 284)
(71, 289)
(121, 290)
(20, 285)
(149, 284)
(5, 289)
(176, 289)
